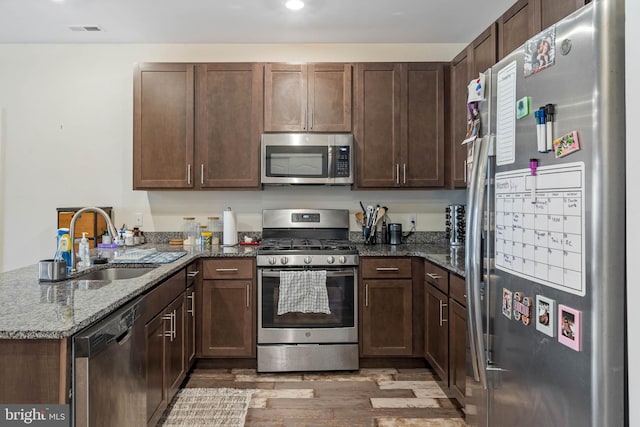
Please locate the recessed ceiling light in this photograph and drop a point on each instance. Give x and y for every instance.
(294, 4)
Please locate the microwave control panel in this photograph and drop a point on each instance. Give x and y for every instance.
(341, 157)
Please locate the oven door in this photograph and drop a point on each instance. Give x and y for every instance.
(340, 326)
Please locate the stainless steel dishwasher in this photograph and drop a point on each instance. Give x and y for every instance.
(109, 385)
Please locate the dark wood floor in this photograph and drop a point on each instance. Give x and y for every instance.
(366, 398)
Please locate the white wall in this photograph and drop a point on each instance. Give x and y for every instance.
(632, 9)
(66, 140)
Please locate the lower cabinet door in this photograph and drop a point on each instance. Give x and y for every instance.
(387, 317)
(156, 391)
(175, 363)
(227, 318)
(436, 339)
(457, 349)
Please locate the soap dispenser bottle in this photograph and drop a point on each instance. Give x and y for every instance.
(83, 251)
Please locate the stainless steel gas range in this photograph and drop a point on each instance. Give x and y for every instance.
(307, 292)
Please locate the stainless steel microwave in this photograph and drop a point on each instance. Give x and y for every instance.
(304, 158)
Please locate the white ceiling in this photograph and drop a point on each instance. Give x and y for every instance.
(247, 21)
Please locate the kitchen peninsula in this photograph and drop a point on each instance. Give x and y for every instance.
(39, 320)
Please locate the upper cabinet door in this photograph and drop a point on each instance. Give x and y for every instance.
(377, 124)
(285, 108)
(311, 98)
(548, 12)
(516, 26)
(163, 125)
(460, 77)
(423, 126)
(329, 98)
(229, 125)
(484, 50)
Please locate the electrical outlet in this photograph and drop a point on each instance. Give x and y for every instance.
(413, 220)
(139, 219)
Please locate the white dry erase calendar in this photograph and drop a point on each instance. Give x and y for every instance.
(542, 241)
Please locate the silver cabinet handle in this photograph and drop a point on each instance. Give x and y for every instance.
(175, 326)
(465, 172)
(193, 273)
(304, 122)
(397, 173)
(247, 286)
(192, 310)
(442, 319)
(311, 120)
(189, 173)
(387, 268)
(433, 276)
(366, 295)
(169, 333)
(201, 173)
(404, 173)
(226, 270)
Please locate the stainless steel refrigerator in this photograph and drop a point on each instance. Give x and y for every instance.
(545, 266)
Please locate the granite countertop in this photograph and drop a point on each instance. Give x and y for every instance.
(30, 309)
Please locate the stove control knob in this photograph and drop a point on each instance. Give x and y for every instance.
(284, 260)
(272, 260)
(342, 259)
(307, 260)
(330, 259)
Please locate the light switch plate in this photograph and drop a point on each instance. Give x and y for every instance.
(138, 219)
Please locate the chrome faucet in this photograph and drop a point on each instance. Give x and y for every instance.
(72, 229)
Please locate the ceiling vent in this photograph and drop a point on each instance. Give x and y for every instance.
(86, 28)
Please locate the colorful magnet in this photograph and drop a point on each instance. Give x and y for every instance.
(546, 315)
(523, 107)
(569, 327)
(540, 52)
(566, 144)
(522, 308)
(507, 298)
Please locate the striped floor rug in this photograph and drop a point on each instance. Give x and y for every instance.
(224, 407)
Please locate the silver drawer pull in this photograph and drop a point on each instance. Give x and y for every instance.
(434, 276)
(192, 310)
(248, 297)
(169, 333)
(226, 270)
(366, 295)
(193, 273)
(442, 319)
(387, 269)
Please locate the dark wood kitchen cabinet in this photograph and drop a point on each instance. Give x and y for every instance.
(436, 341)
(307, 97)
(399, 124)
(474, 59)
(194, 280)
(386, 305)
(228, 125)
(548, 12)
(164, 314)
(227, 327)
(197, 126)
(457, 336)
(163, 134)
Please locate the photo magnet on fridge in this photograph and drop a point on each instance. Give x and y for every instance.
(569, 327)
(546, 315)
(507, 301)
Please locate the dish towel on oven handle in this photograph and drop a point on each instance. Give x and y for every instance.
(303, 291)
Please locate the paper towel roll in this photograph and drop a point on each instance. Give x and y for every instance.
(230, 233)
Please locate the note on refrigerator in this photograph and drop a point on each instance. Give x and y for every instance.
(506, 116)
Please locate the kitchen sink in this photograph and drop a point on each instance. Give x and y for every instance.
(115, 273)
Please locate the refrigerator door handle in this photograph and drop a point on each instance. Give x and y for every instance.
(473, 271)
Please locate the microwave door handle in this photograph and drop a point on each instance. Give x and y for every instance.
(330, 167)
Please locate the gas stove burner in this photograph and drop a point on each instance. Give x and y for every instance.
(305, 245)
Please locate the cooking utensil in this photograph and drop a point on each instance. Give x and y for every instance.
(360, 218)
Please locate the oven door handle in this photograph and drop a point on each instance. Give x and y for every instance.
(276, 273)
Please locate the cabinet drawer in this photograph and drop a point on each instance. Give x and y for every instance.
(193, 272)
(232, 268)
(457, 289)
(160, 296)
(437, 276)
(387, 267)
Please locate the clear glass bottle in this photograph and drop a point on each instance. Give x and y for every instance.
(190, 230)
(215, 226)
